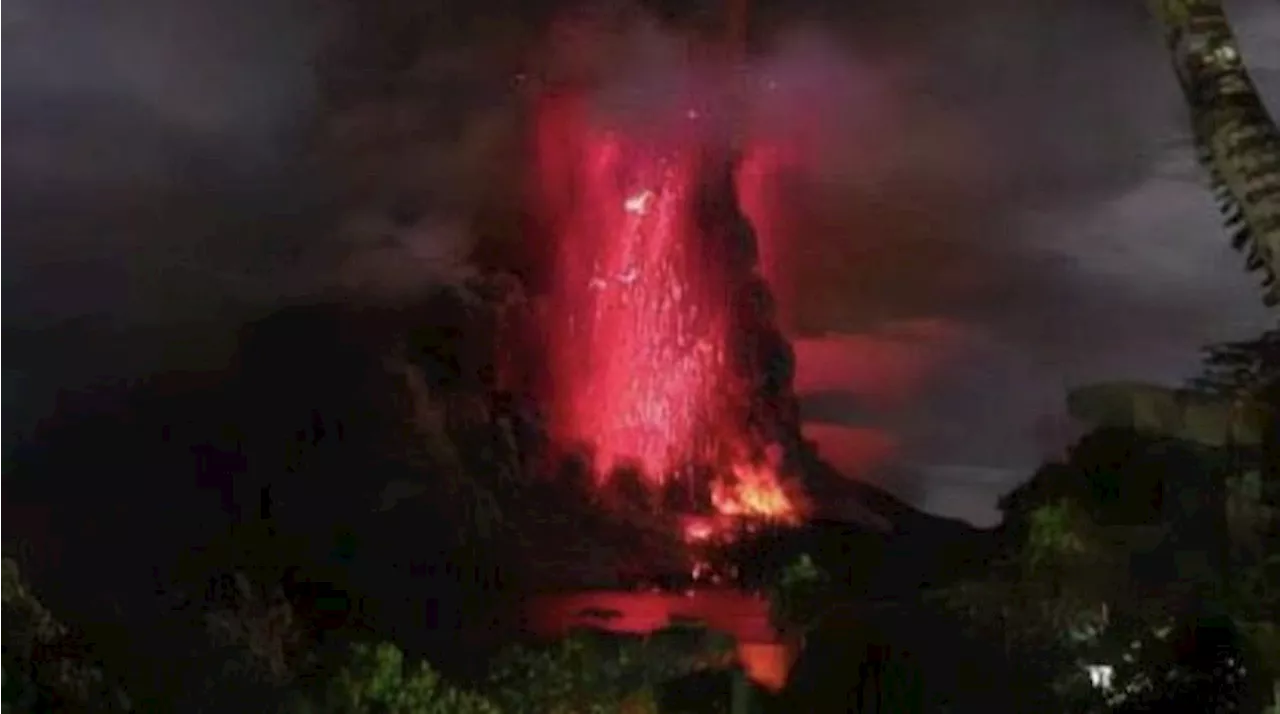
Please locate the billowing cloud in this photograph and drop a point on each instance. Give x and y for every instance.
(1059, 230)
(985, 200)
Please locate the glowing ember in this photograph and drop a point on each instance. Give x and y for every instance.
(639, 203)
(699, 531)
(638, 314)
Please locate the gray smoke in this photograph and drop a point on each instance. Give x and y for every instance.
(1016, 172)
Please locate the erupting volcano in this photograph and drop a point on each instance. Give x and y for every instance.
(659, 355)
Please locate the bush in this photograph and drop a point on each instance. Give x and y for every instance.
(582, 674)
(572, 677)
(377, 680)
(596, 672)
(45, 667)
(19, 694)
(795, 598)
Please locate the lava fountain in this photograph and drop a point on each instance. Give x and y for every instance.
(652, 358)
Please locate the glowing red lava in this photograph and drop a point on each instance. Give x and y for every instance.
(638, 314)
(636, 346)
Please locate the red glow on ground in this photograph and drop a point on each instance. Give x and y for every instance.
(766, 654)
(637, 313)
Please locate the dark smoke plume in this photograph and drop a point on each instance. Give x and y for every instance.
(999, 190)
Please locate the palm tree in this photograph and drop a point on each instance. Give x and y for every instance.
(1238, 142)
(1236, 138)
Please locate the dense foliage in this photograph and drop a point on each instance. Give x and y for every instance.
(588, 672)
(1244, 367)
(377, 680)
(1142, 569)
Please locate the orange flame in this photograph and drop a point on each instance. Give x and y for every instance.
(755, 492)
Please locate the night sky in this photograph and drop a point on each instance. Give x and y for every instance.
(1005, 203)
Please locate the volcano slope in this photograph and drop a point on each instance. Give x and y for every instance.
(640, 239)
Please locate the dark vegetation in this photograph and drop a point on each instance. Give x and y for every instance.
(356, 499)
(353, 478)
(337, 522)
